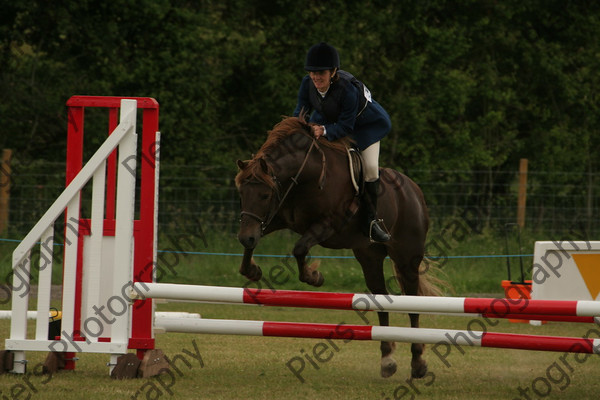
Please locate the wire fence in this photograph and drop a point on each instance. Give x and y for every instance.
(196, 197)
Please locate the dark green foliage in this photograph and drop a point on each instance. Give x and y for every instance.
(470, 85)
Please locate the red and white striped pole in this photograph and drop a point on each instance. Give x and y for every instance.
(380, 333)
(572, 311)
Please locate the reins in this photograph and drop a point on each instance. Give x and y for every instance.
(264, 224)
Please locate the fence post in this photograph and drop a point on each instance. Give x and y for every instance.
(522, 192)
(5, 179)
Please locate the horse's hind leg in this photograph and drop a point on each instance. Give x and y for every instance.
(371, 261)
(407, 273)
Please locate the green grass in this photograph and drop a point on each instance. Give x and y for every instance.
(469, 275)
(447, 246)
(236, 367)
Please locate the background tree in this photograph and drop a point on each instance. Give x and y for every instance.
(471, 86)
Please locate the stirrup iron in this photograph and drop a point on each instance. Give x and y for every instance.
(384, 236)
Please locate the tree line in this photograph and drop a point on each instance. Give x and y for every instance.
(470, 85)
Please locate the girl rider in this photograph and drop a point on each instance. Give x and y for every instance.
(341, 105)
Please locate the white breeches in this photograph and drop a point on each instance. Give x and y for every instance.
(371, 159)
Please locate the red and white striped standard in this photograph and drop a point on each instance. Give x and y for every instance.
(557, 310)
(380, 333)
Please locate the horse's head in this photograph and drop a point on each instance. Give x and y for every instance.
(289, 155)
(258, 196)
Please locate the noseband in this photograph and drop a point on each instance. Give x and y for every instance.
(264, 222)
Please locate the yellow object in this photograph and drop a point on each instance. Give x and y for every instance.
(589, 268)
(55, 315)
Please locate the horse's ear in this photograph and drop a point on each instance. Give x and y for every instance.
(242, 164)
(303, 116)
(263, 165)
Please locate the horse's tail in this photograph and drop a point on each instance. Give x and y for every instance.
(430, 282)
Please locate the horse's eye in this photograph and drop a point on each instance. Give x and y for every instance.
(264, 196)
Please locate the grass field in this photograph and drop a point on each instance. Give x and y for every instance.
(235, 367)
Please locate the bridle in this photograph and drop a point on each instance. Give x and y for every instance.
(265, 222)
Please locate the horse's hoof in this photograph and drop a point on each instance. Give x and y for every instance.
(419, 369)
(388, 367)
(255, 275)
(314, 278)
(317, 279)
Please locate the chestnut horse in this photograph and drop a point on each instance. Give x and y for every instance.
(303, 184)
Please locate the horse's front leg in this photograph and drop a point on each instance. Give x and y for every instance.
(315, 235)
(248, 268)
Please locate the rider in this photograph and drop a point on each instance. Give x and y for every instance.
(341, 105)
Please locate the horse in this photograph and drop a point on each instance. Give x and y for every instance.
(304, 184)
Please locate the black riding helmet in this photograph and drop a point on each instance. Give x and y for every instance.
(322, 57)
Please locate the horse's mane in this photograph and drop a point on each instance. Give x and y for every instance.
(287, 127)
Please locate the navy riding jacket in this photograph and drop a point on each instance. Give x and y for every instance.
(346, 109)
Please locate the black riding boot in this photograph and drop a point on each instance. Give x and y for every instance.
(373, 226)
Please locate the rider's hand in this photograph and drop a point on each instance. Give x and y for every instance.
(318, 130)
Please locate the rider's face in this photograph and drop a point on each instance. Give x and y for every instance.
(321, 79)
